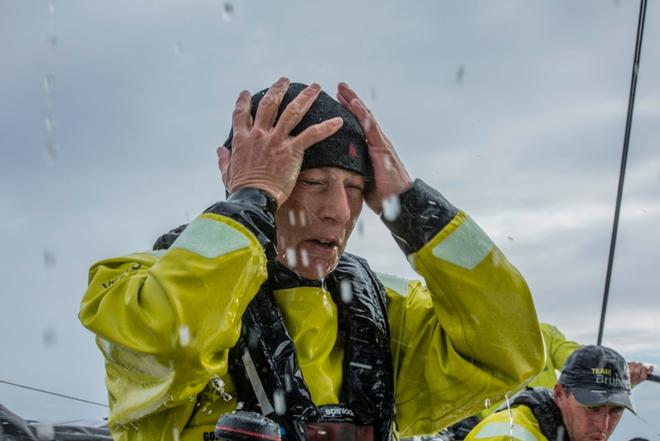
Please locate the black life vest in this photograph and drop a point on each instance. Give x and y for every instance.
(542, 404)
(367, 394)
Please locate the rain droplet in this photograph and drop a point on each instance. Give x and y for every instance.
(388, 163)
(291, 257)
(292, 218)
(560, 432)
(287, 383)
(50, 124)
(319, 272)
(51, 149)
(178, 48)
(227, 11)
(253, 340)
(460, 73)
(346, 288)
(50, 260)
(391, 207)
(49, 83)
(373, 93)
(52, 41)
(51, 7)
(487, 403)
(279, 403)
(49, 337)
(184, 335)
(45, 432)
(360, 228)
(304, 257)
(303, 219)
(175, 434)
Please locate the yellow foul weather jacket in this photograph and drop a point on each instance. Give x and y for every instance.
(165, 322)
(557, 350)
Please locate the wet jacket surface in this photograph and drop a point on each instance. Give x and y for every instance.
(557, 350)
(166, 321)
(533, 416)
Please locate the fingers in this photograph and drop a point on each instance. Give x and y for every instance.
(317, 133)
(224, 159)
(349, 99)
(270, 103)
(241, 119)
(297, 109)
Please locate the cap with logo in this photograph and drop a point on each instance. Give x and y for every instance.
(597, 375)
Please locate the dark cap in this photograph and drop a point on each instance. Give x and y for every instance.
(346, 148)
(597, 375)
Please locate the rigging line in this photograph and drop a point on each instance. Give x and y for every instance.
(53, 393)
(624, 159)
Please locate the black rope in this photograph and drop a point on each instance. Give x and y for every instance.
(53, 393)
(624, 159)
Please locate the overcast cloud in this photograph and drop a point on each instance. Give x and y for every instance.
(515, 110)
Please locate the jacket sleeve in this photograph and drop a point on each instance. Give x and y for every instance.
(470, 334)
(557, 345)
(165, 321)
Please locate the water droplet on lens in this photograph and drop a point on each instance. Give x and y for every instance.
(346, 288)
(391, 208)
(227, 11)
(184, 335)
(487, 403)
(49, 337)
(460, 73)
(50, 260)
(279, 403)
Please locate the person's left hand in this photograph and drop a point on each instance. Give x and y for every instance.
(638, 372)
(390, 176)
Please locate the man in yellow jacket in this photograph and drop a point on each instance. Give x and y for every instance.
(588, 402)
(255, 305)
(557, 350)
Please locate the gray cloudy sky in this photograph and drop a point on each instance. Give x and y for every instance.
(515, 110)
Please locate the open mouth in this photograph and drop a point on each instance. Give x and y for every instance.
(323, 243)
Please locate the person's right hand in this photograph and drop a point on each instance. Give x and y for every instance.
(263, 154)
(638, 372)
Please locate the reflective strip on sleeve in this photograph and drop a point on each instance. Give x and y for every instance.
(397, 284)
(505, 430)
(466, 247)
(210, 238)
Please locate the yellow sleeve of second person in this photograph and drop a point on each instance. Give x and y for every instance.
(468, 337)
(165, 321)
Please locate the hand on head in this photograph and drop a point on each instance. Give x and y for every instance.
(263, 153)
(390, 175)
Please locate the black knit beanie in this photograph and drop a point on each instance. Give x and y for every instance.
(345, 149)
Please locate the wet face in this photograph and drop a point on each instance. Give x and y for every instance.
(586, 423)
(314, 224)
